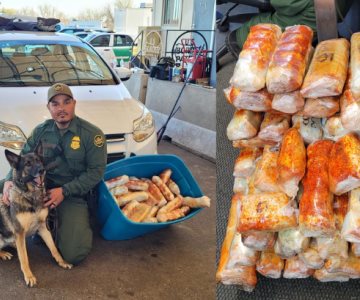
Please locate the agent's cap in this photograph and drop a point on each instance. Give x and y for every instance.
(59, 89)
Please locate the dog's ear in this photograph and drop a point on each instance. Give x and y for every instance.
(39, 149)
(12, 158)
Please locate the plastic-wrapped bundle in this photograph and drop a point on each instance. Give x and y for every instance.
(311, 257)
(266, 212)
(253, 142)
(324, 276)
(289, 103)
(265, 176)
(274, 126)
(350, 111)
(270, 265)
(355, 64)
(259, 240)
(324, 107)
(316, 216)
(244, 124)
(351, 227)
(310, 128)
(240, 185)
(288, 63)
(333, 128)
(290, 242)
(291, 162)
(332, 246)
(240, 255)
(335, 245)
(255, 101)
(344, 164)
(245, 162)
(118, 181)
(254, 58)
(242, 276)
(349, 266)
(328, 69)
(295, 268)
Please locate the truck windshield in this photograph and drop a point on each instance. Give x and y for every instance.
(43, 64)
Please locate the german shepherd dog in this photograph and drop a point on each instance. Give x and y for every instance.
(26, 214)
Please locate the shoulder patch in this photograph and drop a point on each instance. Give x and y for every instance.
(98, 141)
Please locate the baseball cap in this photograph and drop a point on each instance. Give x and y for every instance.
(59, 89)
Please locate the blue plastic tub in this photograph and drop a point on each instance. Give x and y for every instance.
(115, 226)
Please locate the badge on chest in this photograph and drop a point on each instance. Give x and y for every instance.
(75, 143)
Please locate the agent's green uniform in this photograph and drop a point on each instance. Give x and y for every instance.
(287, 13)
(77, 157)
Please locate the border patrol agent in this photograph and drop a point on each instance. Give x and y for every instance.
(75, 156)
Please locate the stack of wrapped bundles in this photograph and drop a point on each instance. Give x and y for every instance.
(295, 212)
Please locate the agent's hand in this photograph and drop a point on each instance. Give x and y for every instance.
(7, 186)
(54, 197)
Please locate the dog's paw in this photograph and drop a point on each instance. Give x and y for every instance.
(65, 265)
(4, 255)
(30, 280)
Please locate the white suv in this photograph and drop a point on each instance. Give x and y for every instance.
(30, 62)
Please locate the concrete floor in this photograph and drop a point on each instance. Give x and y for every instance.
(177, 262)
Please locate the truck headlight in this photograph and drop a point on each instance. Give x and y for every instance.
(143, 127)
(11, 136)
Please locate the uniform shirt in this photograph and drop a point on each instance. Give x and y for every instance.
(76, 156)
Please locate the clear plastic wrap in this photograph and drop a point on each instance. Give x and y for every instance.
(351, 227)
(245, 162)
(311, 257)
(332, 246)
(241, 185)
(288, 63)
(266, 212)
(324, 107)
(328, 69)
(266, 173)
(333, 128)
(240, 255)
(291, 162)
(255, 101)
(274, 126)
(254, 58)
(316, 215)
(309, 128)
(344, 164)
(355, 64)
(350, 111)
(253, 142)
(259, 240)
(244, 124)
(324, 276)
(290, 242)
(349, 266)
(270, 265)
(242, 276)
(289, 103)
(295, 268)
